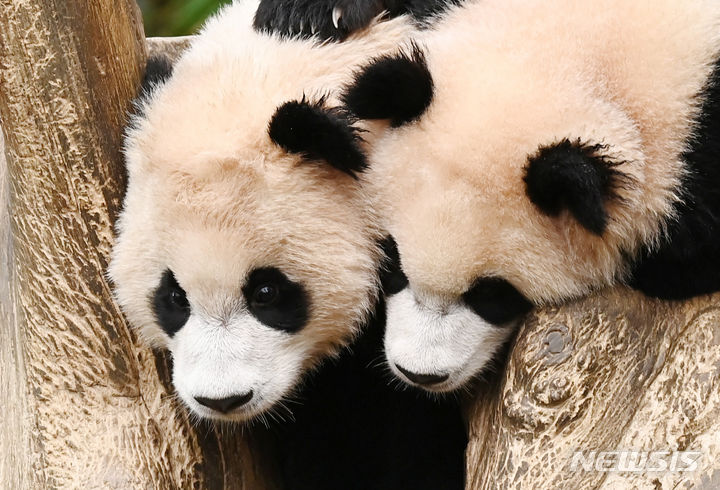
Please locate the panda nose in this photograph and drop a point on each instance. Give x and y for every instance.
(225, 405)
(423, 379)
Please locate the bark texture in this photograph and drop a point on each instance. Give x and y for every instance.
(615, 371)
(84, 404)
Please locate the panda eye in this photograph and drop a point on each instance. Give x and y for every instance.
(275, 300)
(178, 298)
(170, 304)
(265, 295)
(496, 300)
(392, 277)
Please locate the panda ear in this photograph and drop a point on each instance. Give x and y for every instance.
(398, 88)
(318, 133)
(158, 70)
(575, 177)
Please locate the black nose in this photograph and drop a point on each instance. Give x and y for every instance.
(423, 379)
(225, 405)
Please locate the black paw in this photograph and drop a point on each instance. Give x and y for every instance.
(325, 19)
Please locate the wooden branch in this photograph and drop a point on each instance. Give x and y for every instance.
(88, 405)
(616, 371)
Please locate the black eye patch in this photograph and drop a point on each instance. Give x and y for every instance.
(392, 277)
(495, 300)
(170, 304)
(275, 300)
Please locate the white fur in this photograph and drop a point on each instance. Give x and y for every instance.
(211, 197)
(430, 335)
(216, 359)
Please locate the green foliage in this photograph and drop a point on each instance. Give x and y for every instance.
(176, 17)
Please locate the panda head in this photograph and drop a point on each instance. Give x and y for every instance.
(506, 182)
(246, 246)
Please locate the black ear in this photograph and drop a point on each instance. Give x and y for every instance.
(158, 69)
(318, 133)
(573, 176)
(398, 88)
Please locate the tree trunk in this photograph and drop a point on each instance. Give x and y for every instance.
(616, 371)
(85, 405)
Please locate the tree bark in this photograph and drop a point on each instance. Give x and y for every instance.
(85, 405)
(616, 371)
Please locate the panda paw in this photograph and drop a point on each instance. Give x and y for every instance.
(325, 19)
(353, 15)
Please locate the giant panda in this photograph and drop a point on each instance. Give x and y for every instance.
(540, 150)
(248, 249)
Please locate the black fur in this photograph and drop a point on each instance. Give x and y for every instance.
(573, 176)
(287, 308)
(392, 277)
(495, 300)
(170, 304)
(318, 133)
(302, 18)
(356, 429)
(688, 261)
(158, 69)
(398, 88)
(305, 18)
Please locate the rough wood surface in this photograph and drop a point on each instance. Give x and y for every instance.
(14, 439)
(172, 47)
(84, 404)
(616, 371)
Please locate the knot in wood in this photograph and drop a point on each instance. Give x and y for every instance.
(557, 345)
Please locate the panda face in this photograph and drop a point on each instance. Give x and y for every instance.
(246, 305)
(223, 345)
(271, 308)
(441, 341)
